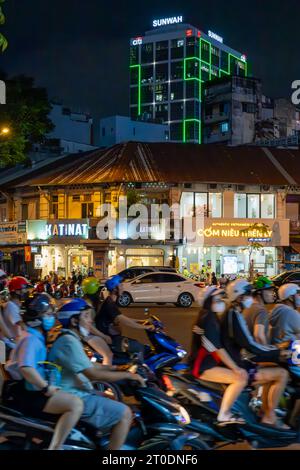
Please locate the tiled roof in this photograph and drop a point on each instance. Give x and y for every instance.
(173, 163)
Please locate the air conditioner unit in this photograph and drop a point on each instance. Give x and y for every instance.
(227, 186)
(265, 188)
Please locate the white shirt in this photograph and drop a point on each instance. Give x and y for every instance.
(11, 316)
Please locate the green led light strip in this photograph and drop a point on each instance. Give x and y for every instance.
(185, 121)
(139, 86)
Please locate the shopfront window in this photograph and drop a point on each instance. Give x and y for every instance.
(253, 206)
(267, 206)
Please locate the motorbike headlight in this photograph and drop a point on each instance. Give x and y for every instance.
(182, 416)
(181, 352)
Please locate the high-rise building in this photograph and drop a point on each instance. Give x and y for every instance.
(168, 66)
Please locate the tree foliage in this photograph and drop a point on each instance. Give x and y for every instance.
(26, 115)
(3, 40)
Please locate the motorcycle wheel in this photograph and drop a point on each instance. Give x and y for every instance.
(195, 444)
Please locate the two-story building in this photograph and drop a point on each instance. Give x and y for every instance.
(233, 198)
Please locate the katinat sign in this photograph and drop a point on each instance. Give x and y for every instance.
(67, 230)
(167, 21)
(57, 229)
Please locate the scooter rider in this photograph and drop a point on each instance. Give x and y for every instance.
(236, 336)
(257, 316)
(210, 361)
(77, 371)
(11, 324)
(32, 394)
(285, 319)
(110, 319)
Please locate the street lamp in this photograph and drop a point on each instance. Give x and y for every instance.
(5, 131)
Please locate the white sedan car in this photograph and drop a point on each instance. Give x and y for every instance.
(160, 287)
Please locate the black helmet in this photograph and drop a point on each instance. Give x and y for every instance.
(36, 306)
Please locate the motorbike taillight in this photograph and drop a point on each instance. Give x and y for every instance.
(167, 382)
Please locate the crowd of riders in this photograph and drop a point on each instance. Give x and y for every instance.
(241, 339)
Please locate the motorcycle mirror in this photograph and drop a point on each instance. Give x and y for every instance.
(146, 312)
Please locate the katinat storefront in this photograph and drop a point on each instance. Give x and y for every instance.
(230, 246)
(59, 246)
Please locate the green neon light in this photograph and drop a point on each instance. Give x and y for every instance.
(185, 121)
(184, 68)
(139, 85)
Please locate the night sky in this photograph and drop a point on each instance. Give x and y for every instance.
(79, 50)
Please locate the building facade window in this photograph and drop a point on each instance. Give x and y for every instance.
(87, 210)
(201, 205)
(54, 207)
(254, 206)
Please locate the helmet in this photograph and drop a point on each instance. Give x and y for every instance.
(210, 291)
(36, 306)
(237, 288)
(263, 283)
(71, 309)
(18, 283)
(288, 290)
(2, 273)
(113, 282)
(90, 285)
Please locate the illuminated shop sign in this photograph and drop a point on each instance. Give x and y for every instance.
(228, 230)
(215, 36)
(167, 21)
(67, 230)
(56, 229)
(137, 41)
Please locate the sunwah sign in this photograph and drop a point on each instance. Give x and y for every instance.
(167, 21)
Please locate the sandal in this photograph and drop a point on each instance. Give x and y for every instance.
(283, 427)
(234, 419)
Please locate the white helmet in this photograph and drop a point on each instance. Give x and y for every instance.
(288, 290)
(237, 288)
(210, 291)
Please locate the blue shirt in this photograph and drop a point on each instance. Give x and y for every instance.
(67, 351)
(30, 351)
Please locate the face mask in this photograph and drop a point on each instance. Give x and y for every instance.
(247, 303)
(219, 307)
(297, 301)
(83, 331)
(48, 322)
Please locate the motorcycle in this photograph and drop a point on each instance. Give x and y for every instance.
(202, 399)
(158, 425)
